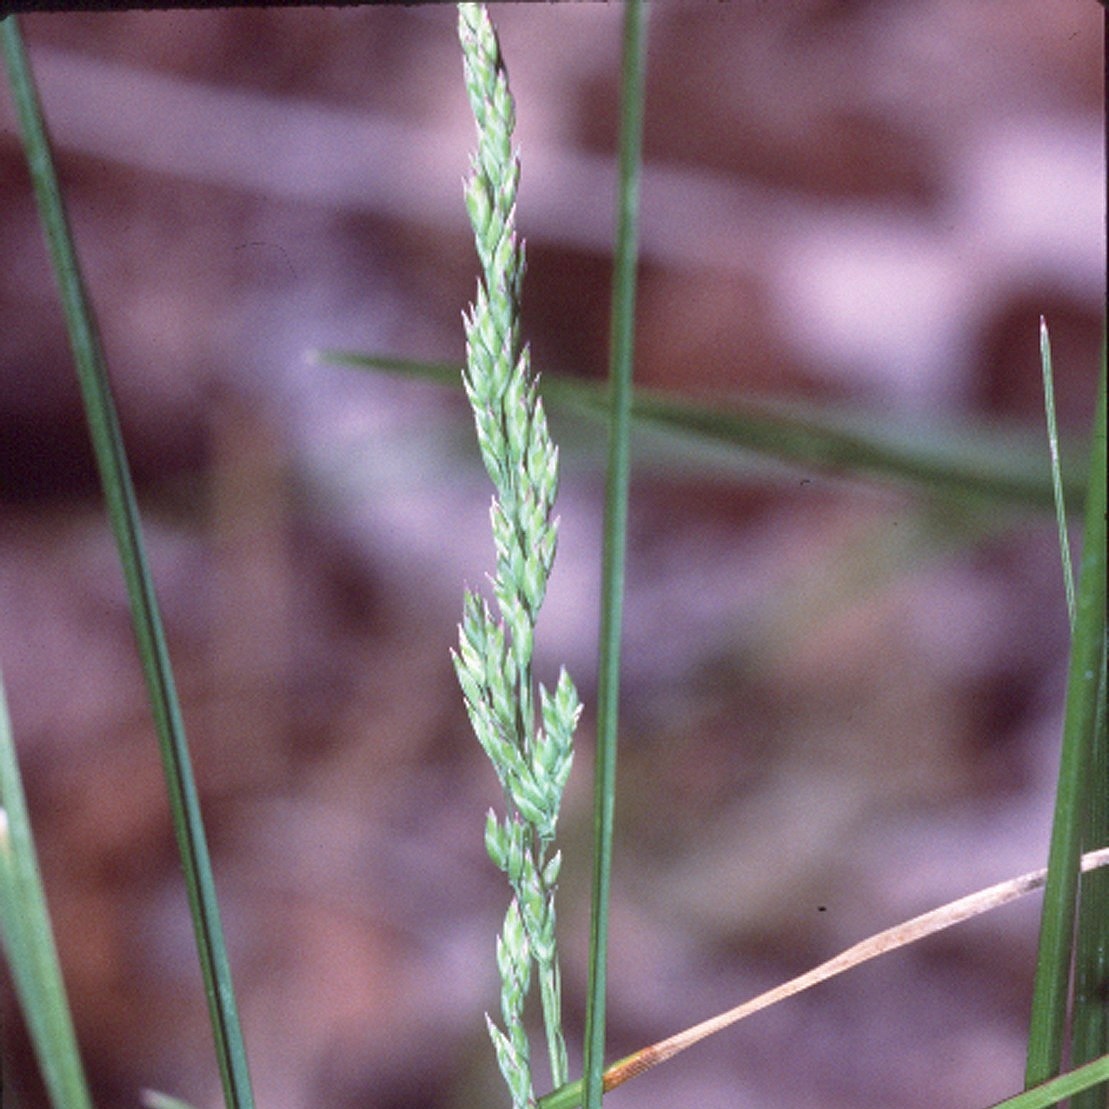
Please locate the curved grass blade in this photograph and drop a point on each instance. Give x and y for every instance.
(981, 463)
(123, 511)
(1080, 1081)
(1052, 982)
(29, 941)
(622, 340)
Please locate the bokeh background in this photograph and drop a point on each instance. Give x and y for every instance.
(842, 700)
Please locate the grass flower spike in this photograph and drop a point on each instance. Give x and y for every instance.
(531, 756)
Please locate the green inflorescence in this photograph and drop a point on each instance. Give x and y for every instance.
(531, 757)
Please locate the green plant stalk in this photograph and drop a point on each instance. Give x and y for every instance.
(1090, 1021)
(123, 512)
(622, 345)
(494, 657)
(1086, 1078)
(1050, 989)
(1090, 1025)
(979, 464)
(1056, 469)
(29, 941)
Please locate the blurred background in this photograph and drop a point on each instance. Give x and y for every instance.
(842, 700)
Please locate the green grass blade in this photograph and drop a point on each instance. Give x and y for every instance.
(980, 464)
(1056, 468)
(1089, 1077)
(1090, 1020)
(622, 341)
(1090, 1032)
(123, 512)
(1050, 990)
(29, 941)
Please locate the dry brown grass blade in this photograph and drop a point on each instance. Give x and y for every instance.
(899, 936)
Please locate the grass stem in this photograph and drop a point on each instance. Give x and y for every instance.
(622, 344)
(119, 493)
(1090, 1017)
